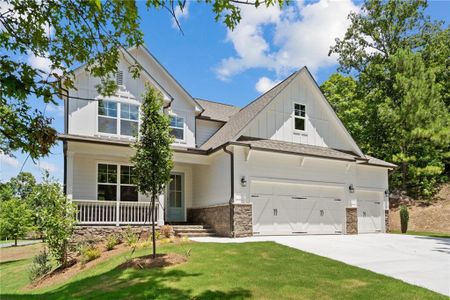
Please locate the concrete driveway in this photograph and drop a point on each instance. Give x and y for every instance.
(418, 260)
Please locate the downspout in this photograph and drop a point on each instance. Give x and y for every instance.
(231, 189)
(66, 131)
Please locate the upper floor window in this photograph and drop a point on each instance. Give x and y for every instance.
(177, 127)
(124, 123)
(299, 116)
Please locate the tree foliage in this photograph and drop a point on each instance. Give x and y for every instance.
(68, 33)
(15, 219)
(153, 158)
(400, 60)
(55, 218)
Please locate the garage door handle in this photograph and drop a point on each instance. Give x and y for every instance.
(322, 212)
(275, 212)
(299, 198)
(255, 196)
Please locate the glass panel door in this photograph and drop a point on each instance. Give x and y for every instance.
(175, 198)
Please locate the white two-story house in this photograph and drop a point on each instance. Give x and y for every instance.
(283, 164)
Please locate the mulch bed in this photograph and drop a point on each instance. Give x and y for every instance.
(148, 262)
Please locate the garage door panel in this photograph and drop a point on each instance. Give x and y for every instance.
(284, 213)
(370, 212)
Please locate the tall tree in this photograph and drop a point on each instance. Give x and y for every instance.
(65, 34)
(153, 158)
(15, 219)
(399, 58)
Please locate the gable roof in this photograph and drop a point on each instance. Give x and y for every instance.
(240, 120)
(216, 111)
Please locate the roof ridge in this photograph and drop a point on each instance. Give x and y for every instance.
(216, 102)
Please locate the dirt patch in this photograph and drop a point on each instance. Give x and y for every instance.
(432, 216)
(61, 275)
(20, 252)
(148, 262)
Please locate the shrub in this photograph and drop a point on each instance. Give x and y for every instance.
(404, 218)
(111, 242)
(89, 253)
(16, 219)
(166, 231)
(40, 266)
(130, 237)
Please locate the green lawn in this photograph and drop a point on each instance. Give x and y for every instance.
(421, 233)
(220, 271)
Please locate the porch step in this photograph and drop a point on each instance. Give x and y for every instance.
(193, 230)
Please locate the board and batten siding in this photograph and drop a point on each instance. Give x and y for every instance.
(206, 129)
(83, 113)
(276, 121)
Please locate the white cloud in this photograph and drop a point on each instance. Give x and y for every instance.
(8, 160)
(45, 165)
(56, 109)
(288, 39)
(180, 14)
(39, 62)
(264, 84)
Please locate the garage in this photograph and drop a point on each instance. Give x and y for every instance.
(370, 212)
(281, 208)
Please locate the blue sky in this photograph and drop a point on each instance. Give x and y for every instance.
(232, 67)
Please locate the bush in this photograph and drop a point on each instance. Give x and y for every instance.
(166, 231)
(130, 237)
(404, 218)
(111, 242)
(41, 265)
(89, 253)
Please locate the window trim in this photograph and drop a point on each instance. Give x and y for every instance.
(298, 117)
(184, 127)
(117, 184)
(118, 118)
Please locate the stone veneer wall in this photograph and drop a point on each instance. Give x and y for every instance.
(219, 218)
(98, 233)
(351, 220)
(386, 220)
(242, 219)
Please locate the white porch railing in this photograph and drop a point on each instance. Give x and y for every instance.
(97, 212)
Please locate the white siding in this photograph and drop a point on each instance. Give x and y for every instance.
(212, 182)
(276, 121)
(205, 129)
(83, 113)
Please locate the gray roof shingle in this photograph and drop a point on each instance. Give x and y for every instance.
(217, 111)
(239, 120)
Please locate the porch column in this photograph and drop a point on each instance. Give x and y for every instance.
(161, 205)
(69, 179)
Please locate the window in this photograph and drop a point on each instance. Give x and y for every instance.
(113, 179)
(107, 182)
(128, 189)
(107, 117)
(177, 127)
(127, 124)
(299, 116)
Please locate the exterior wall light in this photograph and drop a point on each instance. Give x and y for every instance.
(243, 181)
(386, 193)
(351, 189)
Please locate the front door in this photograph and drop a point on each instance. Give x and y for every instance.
(175, 198)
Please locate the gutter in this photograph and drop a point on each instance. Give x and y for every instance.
(231, 188)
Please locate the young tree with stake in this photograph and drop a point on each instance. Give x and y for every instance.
(153, 158)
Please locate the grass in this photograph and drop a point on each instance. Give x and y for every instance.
(422, 233)
(219, 271)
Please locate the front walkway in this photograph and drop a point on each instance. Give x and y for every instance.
(422, 261)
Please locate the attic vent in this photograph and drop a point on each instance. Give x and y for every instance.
(119, 77)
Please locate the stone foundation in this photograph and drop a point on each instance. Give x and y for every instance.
(225, 220)
(386, 220)
(100, 233)
(351, 220)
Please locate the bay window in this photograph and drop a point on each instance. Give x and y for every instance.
(125, 123)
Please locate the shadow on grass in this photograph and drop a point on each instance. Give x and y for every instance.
(132, 284)
(8, 262)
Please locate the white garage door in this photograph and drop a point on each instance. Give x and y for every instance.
(287, 208)
(370, 212)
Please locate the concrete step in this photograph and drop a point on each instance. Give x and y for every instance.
(190, 227)
(193, 230)
(183, 230)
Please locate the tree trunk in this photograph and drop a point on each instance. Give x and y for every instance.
(15, 241)
(153, 226)
(404, 175)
